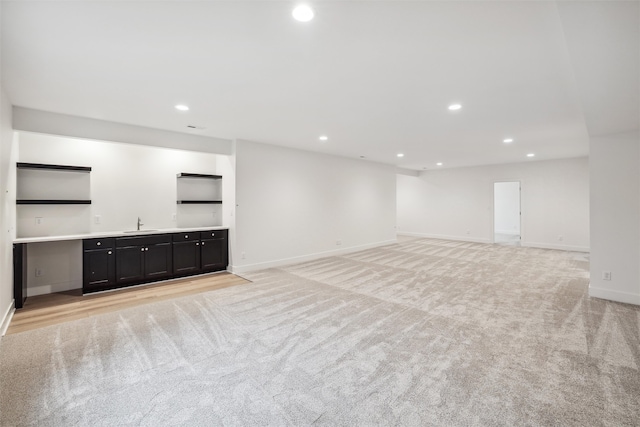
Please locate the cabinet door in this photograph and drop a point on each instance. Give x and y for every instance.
(158, 261)
(214, 256)
(99, 269)
(129, 264)
(186, 257)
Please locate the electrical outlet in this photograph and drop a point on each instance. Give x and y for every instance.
(97, 219)
(173, 217)
(243, 255)
(38, 272)
(468, 231)
(560, 238)
(338, 242)
(38, 220)
(606, 275)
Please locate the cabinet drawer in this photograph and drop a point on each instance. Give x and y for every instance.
(109, 242)
(213, 234)
(187, 236)
(143, 240)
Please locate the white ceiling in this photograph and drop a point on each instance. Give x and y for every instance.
(376, 77)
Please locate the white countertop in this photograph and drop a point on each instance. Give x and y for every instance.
(103, 234)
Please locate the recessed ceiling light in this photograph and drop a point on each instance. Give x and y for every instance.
(507, 140)
(439, 164)
(302, 13)
(323, 138)
(454, 107)
(182, 107)
(400, 155)
(531, 155)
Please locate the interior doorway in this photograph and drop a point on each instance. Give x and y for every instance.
(506, 212)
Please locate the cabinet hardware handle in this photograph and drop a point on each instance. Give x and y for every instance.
(146, 249)
(202, 243)
(109, 252)
(197, 243)
(213, 234)
(142, 249)
(186, 236)
(99, 243)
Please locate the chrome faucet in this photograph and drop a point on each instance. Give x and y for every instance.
(139, 223)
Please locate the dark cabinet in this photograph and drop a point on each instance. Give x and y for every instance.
(143, 258)
(199, 252)
(186, 253)
(158, 260)
(124, 261)
(214, 252)
(130, 265)
(98, 264)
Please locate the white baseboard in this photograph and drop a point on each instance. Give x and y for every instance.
(484, 240)
(53, 287)
(6, 319)
(446, 237)
(554, 246)
(239, 269)
(614, 295)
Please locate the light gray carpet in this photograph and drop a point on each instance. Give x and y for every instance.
(424, 332)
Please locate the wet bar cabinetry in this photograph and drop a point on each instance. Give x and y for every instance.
(199, 252)
(186, 253)
(98, 264)
(214, 254)
(117, 262)
(142, 259)
(54, 204)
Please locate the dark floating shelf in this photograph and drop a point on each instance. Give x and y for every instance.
(52, 202)
(199, 202)
(21, 165)
(198, 175)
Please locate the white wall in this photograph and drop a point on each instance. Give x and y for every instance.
(8, 153)
(8, 156)
(615, 217)
(506, 207)
(226, 166)
(295, 205)
(458, 203)
(127, 181)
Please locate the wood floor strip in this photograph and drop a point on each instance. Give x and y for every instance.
(52, 309)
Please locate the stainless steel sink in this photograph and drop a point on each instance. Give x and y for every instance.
(139, 231)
